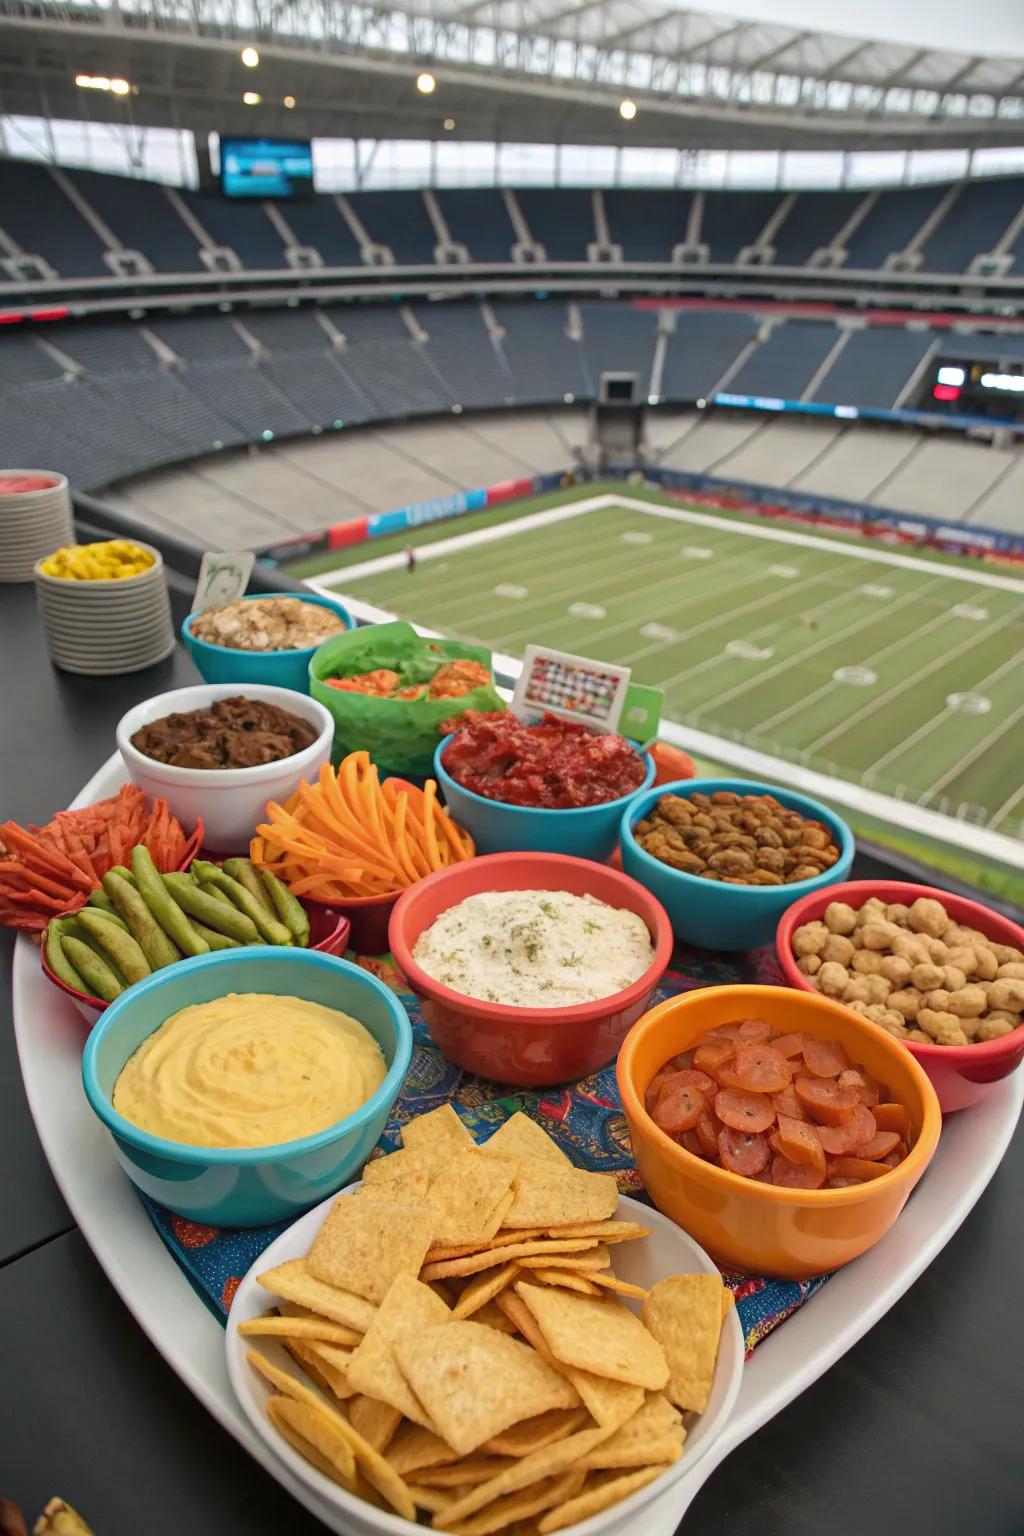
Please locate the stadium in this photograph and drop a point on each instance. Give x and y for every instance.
(684, 341)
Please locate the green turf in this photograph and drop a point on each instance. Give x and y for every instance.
(801, 613)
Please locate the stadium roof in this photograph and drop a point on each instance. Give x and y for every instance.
(512, 70)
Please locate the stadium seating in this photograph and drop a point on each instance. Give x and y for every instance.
(139, 214)
(647, 224)
(546, 363)
(701, 350)
(977, 222)
(618, 339)
(891, 224)
(243, 227)
(318, 222)
(784, 365)
(812, 223)
(561, 219)
(873, 366)
(38, 217)
(478, 219)
(462, 350)
(735, 219)
(398, 220)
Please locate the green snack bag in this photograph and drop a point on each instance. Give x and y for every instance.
(400, 734)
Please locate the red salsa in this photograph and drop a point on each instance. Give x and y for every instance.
(555, 764)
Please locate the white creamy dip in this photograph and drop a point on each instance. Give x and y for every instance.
(535, 949)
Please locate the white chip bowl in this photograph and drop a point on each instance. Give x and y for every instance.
(668, 1251)
(231, 801)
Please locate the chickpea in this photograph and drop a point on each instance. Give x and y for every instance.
(867, 962)
(897, 913)
(832, 979)
(873, 911)
(856, 990)
(925, 977)
(878, 988)
(878, 935)
(986, 964)
(919, 1036)
(1002, 1017)
(1006, 954)
(906, 1002)
(938, 951)
(1006, 994)
(809, 964)
(993, 1028)
(953, 978)
(962, 956)
(840, 918)
(970, 1027)
(839, 949)
(910, 947)
(928, 916)
(810, 939)
(896, 969)
(938, 999)
(944, 1028)
(1012, 970)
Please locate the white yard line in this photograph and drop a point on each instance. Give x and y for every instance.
(975, 752)
(1007, 806)
(942, 716)
(915, 677)
(460, 541)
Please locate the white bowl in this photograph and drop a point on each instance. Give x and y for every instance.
(230, 800)
(668, 1251)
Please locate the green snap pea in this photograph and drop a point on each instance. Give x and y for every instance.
(244, 871)
(142, 925)
(75, 929)
(121, 948)
(58, 961)
(269, 927)
(108, 917)
(214, 939)
(220, 915)
(163, 905)
(288, 907)
(218, 895)
(125, 873)
(101, 901)
(99, 979)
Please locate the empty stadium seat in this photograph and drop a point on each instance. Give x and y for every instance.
(398, 220)
(37, 215)
(478, 219)
(247, 398)
(241, 225)
(319, 222)
(461, 349)
(201, 338)
(814, 221)
(704, 345)
(873, 367)
(891, 224)
(619, 339)
(142, 218)
(979, 218)
(546, 363)
(561, 219)
(319, 387)
(286, 330)
(104, 346)
(647, 223)
(23, 361)
(735, 219)
(784, 365)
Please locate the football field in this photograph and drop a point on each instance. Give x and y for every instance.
(900, 673)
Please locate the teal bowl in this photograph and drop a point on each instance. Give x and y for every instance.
(249, 1186)
(281, 669)
(707, 913)
(585, 832)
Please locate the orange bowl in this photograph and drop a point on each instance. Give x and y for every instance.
(761, 1229)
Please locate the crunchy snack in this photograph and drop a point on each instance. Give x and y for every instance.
(483, 1407)
(914, 970)
(737, 839)
(108, 560)
(267, 624)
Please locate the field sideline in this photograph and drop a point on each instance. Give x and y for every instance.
(865, 663)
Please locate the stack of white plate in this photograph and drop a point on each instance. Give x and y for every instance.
(35, 519)
(104, 627)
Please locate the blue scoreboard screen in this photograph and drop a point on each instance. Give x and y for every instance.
(266, 167)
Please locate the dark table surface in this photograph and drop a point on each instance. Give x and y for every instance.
(915, 1430)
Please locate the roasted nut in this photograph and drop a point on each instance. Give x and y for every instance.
(810, 939)
(920, 1037)
(895, 969)
(1012, 970)
(839, 948)
(993, 1028)
(879, 935)
(873, 911)
(840, 917)
(832, 979)
(938, 1000)
(897, 913)
(1005, 954)
(1006, 994)
(928, 916)
(944, 1028)
(953, 978)
(868, 962)
(963, 956)
(809, 964)
(906, 1001)
(911, 948)
(925, 977)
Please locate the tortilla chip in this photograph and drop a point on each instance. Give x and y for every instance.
(439, 1251)
(684, 1313)
(334, 1385)
(550, 1196)
(490, 1314)
(522, 1139)
(364, 1244)
(550, 1462)
(281, 1421)
(474, 1382)
(281, 1379)
(305, 1329)
(415, 1448)
(609, 1403)
(654, 1434)
(610, 1282)
(329, 1363)
(294, 1282)
(503, 1513)
(483, 1288)
(318, 1426)
(596, 1335)
(408, 1173)
(375, 1421)
(566, 1278)
(661, 1452)
(598, 1493)
(407, 1309)
(728, 1300)
(469, 1196)
(436, 1500)
(464, 1473)
(597, 1257)
(473, 1263)
(448, 1293)
(534, 1434)
(440, 1128)
(608, 1231)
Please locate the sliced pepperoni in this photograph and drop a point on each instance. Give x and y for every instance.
(892, 1117)
(708, 1128)
(867, 1089)
(826, 1058)
(798, 1140)
(750, 1112)
(682, 1062)
(842, 1183)
(691, 1078)
(787, 1103)
(689, 1141)
(838, 1140)
(757, 1068)
(826, 1101)
(678, 1108)
(655, 1086)
(754, 1029)
(724, 1032)
(740, 1153)
(792, 1175)
(790, 1045)
(710, 1056)
(854, 1168)
(880, 1145)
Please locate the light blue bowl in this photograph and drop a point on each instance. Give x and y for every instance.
(245, 1187)
(586, 832)
(281, 669)
(707, 913)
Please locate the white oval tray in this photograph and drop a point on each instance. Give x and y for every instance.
(50, 1036)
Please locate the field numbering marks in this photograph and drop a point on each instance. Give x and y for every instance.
(509, 590)
(855, 677)
(746, 650)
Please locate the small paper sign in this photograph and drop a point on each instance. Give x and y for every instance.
(574, 687)
(223, 577)
(641, 713)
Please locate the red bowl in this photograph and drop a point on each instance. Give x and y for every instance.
(961, 1074)
(328, 934)
(368, 916)
(530, 1047)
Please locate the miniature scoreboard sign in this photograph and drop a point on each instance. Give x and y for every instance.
(575, 687)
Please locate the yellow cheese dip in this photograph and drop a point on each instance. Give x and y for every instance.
(249, 1070)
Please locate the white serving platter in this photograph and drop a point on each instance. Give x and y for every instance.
(50, 1035)
(667, 1251)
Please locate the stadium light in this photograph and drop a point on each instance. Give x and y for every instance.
(425, 83)
(289, 101)
(252, 98)
(250, 58)
(120, 87)
(627, 109)
(449, 124)
(117, 86)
